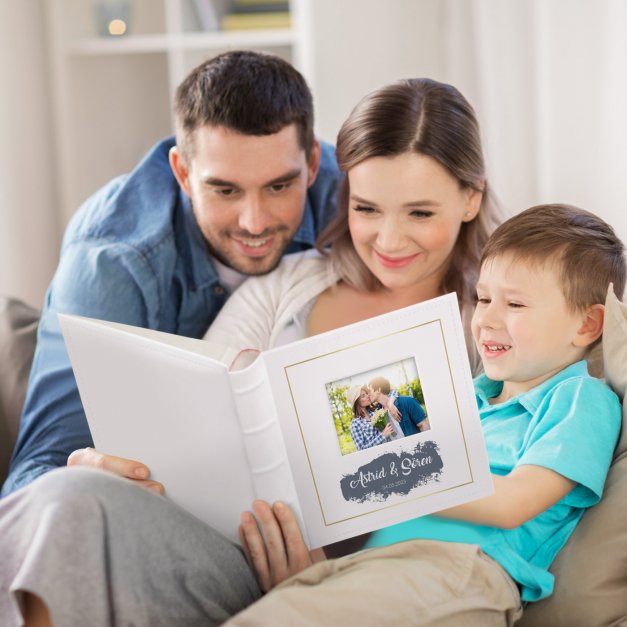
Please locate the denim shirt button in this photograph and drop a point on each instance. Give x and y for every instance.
(218, 289)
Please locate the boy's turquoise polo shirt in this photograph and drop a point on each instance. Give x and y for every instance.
(569, 424)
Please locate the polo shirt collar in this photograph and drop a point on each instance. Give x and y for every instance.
(486, 388)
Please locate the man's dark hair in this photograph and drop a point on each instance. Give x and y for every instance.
(248, 92)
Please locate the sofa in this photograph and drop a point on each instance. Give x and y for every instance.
(18, 328)
(590, 571)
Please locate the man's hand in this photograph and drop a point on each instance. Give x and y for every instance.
(136, 471)
(387, 431)
(273, 544)
(393, 410)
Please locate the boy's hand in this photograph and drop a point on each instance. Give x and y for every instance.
(273, 544)
(130, 469)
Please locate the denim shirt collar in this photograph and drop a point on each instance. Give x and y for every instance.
(193, 247)
(306, 232)
(486, 388)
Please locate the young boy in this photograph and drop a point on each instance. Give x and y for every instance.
(411, 416)
(550, 431)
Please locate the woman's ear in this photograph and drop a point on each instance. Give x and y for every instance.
(592, 326)
(179, 168)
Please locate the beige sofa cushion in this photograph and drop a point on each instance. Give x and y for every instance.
(591, 570)
(18, 329)
(615, 356)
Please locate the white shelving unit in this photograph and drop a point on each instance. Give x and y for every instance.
(113, 95)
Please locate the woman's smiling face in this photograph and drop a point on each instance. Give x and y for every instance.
(405, 213)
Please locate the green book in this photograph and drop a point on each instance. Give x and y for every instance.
(246, 21)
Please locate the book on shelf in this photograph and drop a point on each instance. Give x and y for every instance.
(256, 20)
(256, 3)
(238, 8)
(256, 14)
(219, 437)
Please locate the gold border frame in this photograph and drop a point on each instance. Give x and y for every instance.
(352, 346)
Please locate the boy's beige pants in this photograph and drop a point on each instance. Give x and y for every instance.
(419, 582)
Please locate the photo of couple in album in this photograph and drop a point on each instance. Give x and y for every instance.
(378, 406)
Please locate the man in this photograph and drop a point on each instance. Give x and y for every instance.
(410, 414)
(162, 247)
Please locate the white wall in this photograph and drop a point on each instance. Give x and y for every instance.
(361, 44)
(548, 80)
(29, 231)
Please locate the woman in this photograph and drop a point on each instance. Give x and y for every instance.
(363, 433)
(415, 211)
(413, 214)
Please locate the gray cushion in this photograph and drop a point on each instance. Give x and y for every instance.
(591, 570)
(18, 329)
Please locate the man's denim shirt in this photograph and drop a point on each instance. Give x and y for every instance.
(133, 253)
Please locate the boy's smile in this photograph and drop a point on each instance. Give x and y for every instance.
(523, 328)
(494, 350)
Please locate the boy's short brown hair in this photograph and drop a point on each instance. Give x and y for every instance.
(380, 384)
(585, 250)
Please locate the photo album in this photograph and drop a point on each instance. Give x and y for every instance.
(355, 429)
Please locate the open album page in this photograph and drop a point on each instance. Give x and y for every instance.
(347, 486)
(148, 397)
